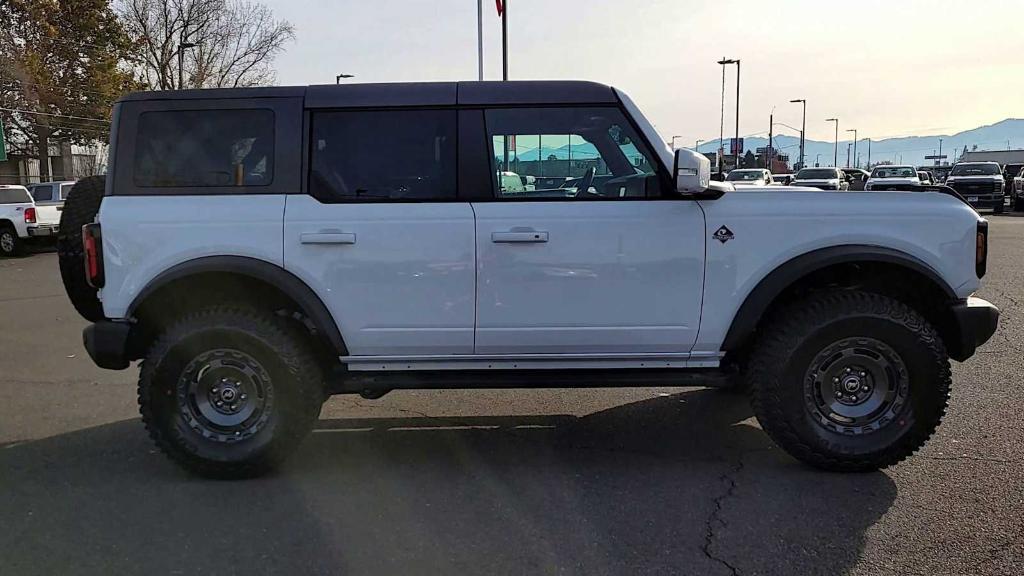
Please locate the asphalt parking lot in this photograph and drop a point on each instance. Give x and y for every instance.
(630, 481)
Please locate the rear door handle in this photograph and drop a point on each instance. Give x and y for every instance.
(327, 238)
(529, 236)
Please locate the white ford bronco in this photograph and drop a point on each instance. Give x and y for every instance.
(260, 249)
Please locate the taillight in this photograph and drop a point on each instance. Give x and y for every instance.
(30, 215)
(981, 249)
(92, 243)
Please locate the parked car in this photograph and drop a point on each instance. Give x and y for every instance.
(980, 182)
(17, 212)
(750, 177)
(49, 200)
(256, 275)
(821, 178)
(886, 176)
(1018, 191)
(783, 179)
(855, 177)
(925, 177)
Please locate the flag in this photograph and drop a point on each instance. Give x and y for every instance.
(501, 7)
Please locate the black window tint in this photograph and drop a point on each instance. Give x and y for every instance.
(554, 153)
(14, 196)
(383, 155)
(42, 193)
(200, 148)
(64, 190)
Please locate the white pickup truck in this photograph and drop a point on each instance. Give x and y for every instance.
(49, 200)
(263, 248)
(22, 220)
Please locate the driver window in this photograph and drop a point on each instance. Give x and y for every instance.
(568, 154)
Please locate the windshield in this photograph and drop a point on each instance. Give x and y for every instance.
(14, 196)
(744, 175)
(894, 172)
(816, 174)
(975, 170)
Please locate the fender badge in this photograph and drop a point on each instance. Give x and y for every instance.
(723, 234)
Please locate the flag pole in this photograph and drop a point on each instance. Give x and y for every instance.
(480, 39)
(504, 40)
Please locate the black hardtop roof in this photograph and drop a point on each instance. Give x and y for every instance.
(515, 92)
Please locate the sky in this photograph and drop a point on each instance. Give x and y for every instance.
(887, 68)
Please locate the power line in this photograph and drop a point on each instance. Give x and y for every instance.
(55, 115)
(37, 84)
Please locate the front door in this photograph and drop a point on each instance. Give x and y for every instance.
(582, 249)
(381, 237)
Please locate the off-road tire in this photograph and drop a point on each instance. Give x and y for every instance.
(10, 244)
(1018, 204)
(998, 208)
(296, 383)
(80, 208)
(795, 338)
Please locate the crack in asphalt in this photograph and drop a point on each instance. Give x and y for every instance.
(715, 517)
(968, 457)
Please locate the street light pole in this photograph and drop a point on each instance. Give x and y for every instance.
(673, 143)
(337, 79)
(736, 141)
(803, 128)
(835, 154)
(856, 164)
(182, 46)
(696, 145)
(939, 159)
(504, 40)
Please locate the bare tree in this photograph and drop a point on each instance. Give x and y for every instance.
(203, 43)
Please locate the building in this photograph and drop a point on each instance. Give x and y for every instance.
(1003, 157)
(66, 162)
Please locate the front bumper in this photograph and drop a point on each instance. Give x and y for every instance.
(107, 343)
(976, 321)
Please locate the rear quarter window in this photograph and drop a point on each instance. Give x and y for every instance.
(204, 148)
(14, 196)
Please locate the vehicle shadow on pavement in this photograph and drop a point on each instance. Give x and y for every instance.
(678, 484)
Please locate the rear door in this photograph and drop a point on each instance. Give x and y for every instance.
(381, 235)
(599, 260)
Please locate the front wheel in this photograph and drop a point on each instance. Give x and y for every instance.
(998, 208)
(849, 381)
(230, 392)
(10, 244)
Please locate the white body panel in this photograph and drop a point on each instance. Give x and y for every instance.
(146, 235)
(612, 277)
(775, 225)
(873, 183)
(406, 283)
(15, 214)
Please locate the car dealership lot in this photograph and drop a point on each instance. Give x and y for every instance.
(551, 481)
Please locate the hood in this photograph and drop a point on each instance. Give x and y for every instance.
(748, 184)
(914, 180)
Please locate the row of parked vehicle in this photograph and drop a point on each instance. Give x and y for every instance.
(30, 214)
(982, 184)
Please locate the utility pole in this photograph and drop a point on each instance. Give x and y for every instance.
(480, 40)
(768, 149)
(835, 159)
(869, 153)
(847, 153)
(939, 159)
(721, 127)
(803, 129)
(503, 9)
(182, 46)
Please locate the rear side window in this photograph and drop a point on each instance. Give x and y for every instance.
(42, 193)
(381, 156)
(202, 148)
(65, 189)
(14, 196)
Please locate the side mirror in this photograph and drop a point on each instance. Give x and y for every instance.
(692, 172)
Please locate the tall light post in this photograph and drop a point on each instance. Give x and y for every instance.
(856, 164)
(835, 159)
(869, 153)
(803, 128)
(337, 79)
(696, 145)
(182, 46)
(939, 159)
(817, 160)
(673, 143)
(736, 141)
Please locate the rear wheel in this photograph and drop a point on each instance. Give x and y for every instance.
(850, 381)
(230, 392)
(1018, 203)
(10, 244)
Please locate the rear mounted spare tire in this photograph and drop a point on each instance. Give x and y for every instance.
(80, 208)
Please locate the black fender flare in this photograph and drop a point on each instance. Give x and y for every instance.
(760, 298)
(304, 296)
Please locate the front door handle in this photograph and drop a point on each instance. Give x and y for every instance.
(524, 236)
(327, 238)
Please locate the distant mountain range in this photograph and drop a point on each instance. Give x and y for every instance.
(912, 149)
